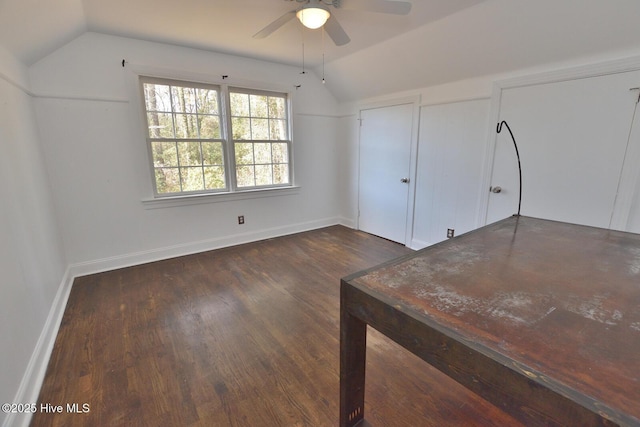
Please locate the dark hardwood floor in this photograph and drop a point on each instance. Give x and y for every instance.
(243, 336)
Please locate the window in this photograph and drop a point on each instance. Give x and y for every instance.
(191, 149)
(261, 138)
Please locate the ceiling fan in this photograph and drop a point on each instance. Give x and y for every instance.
(316, 13)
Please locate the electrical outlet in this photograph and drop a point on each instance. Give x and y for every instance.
(450, 232)
(240, 219)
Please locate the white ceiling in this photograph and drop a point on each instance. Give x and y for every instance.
(440, 41)
(32, 28)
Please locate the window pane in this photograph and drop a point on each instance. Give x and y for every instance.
(277, 107)
(167, 180)
(264, 175)
(281, 174)
(184, 99)
(207, 101)
(259, 129)
(241, 129)
(209, 127)
(157, 97)
(239, 104)
(164, 154)
(186, 126)
(188, 136)
(262, 152)
(214, 178)
(192, 179)
(189, 153)
(258, 106)
(245, 176)
(212, 153)
(278, 130)
(244, 153)
(160, 125)
(280, 152)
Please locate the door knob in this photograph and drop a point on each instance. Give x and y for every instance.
(495, 189)
(404, 180)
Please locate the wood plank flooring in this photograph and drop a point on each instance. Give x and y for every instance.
(243, 336)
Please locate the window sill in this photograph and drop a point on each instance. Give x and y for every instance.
(199, 199)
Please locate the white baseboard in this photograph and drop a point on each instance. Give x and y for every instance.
(158, 254)
(351, 223)
(36, 369)
(417, 244)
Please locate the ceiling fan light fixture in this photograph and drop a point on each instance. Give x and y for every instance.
(313, 16)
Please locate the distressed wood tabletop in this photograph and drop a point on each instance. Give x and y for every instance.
(560, 300)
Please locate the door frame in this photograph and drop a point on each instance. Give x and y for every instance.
(413, 156)
(555, 76)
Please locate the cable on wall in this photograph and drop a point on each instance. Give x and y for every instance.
(499, 129)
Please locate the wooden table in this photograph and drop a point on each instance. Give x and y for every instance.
(540, 318)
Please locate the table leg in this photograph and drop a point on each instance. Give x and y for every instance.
(353, 348)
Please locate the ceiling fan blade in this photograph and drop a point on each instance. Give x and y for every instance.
(336, 32)
(379, 6)
(275, 25)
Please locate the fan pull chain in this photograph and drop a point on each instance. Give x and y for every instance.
(303, 69)
(323, 81)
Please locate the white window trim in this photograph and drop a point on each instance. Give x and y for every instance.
(204, 198)
(226, 91)
(156, 201)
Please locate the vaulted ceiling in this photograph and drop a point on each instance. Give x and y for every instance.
(32, 28)
(438, 42)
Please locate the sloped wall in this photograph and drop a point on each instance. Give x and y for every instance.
(31, 256)
(492, 37)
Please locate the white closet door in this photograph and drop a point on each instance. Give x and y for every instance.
(451, 148)
(572, 137)
(385, 152)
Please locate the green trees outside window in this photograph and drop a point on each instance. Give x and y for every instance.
(260, 135)
(189, 142)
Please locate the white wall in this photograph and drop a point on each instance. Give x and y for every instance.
(95, 149)
(31, 258)
(348, 139)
